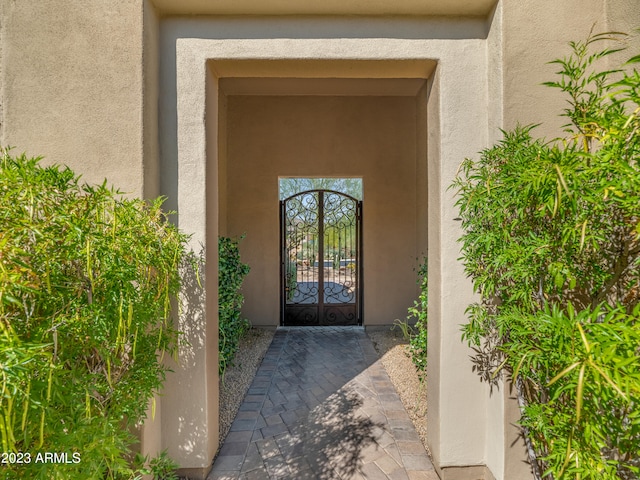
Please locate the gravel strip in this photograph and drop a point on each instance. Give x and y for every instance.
(238, 377)
(393, 350)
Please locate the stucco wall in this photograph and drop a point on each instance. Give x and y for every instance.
(151, 86)
(326, 7)
(536, 32)
(72, 86)
(495, 433)
(369, 137)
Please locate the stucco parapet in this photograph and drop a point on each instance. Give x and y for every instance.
(294, 28)
(326, 7)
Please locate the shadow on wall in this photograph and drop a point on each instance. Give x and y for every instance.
(187, 436)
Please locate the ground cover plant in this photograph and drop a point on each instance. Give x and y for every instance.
(231, 273)
(87, 279)
(551, 239)
(414, 326)
(418, 337)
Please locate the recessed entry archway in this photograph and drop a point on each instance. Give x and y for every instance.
(243, 112)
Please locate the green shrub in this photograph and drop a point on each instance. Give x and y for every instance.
(418, 338)
(162, 467)
(86, 281)
(231, 273)
(291, 278)
(552, 242)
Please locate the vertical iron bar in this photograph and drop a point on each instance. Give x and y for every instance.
(359, 265)
(283, 246)
(320, 257)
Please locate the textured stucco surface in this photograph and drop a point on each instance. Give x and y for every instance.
(151, 86)
(325, 7)
(535, 33)
(72, 86)
(528, 23)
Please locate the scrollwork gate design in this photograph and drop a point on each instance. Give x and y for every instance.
(321, 259)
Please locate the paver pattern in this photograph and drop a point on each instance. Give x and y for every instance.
(322, 407)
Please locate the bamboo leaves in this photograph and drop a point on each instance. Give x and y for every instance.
(553, 248)
(86, 280)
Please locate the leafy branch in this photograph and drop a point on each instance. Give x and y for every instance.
(552, 242)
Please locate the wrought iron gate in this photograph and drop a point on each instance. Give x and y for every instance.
(321, 259)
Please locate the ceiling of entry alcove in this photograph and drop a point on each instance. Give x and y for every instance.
(326, 7)
(323, 77)
(322, 86)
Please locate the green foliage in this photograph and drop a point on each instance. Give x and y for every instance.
(292, 278)
(414, 327)
(340, 238)
(86, 282)
(161, 467)
(291, 186)
(589, 366)
(404, 327)
(231, 273)
(418, 339)
(552, 243)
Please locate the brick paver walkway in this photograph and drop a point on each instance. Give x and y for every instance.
(322, 407)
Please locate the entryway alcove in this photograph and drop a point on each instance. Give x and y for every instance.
(374, 129)
(237, 114)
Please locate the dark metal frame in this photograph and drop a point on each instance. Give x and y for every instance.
(359, 283)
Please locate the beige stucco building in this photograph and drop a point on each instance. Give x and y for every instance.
(210, 102)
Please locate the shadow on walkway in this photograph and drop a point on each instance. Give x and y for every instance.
(322, 407)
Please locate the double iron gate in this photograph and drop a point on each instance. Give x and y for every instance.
(321, 259)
